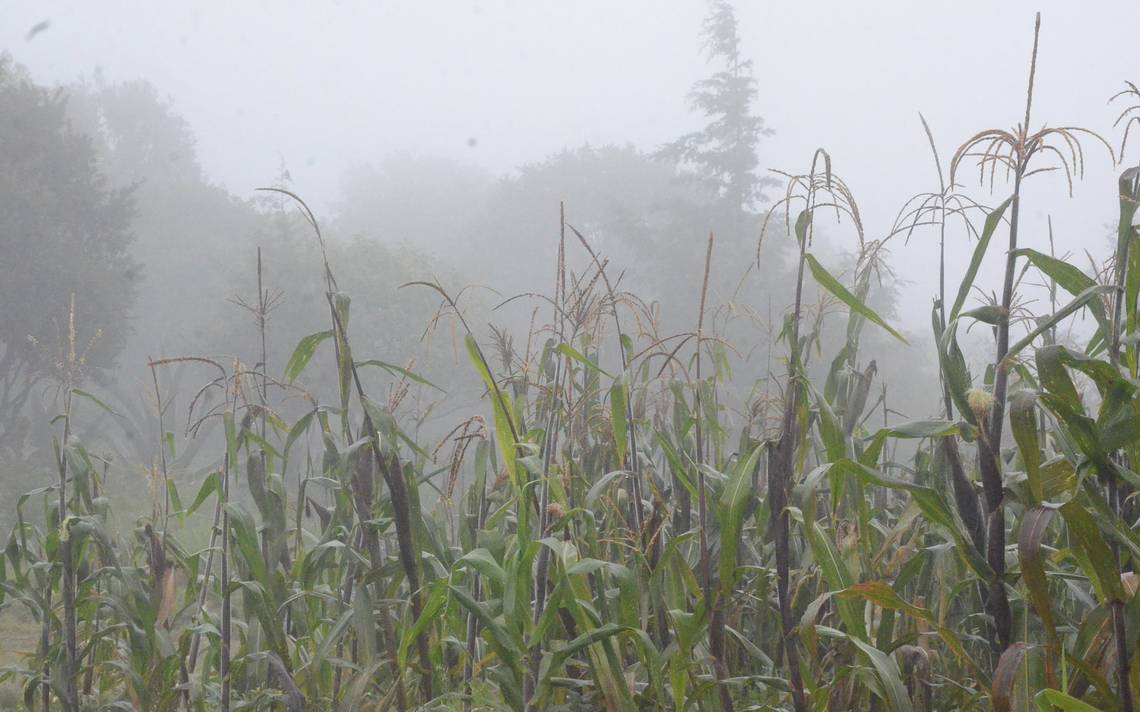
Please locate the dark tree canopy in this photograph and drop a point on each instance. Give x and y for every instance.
(64, 234)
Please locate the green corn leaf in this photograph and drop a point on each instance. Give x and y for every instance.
(1129, 189)
(932, 505)
(244, 533)
(103, 406)
(618, 403)
(733, 506)
(803, 222)
(1067, 275)
(175, 500)
(428, 616)
(585, 640)
(1054, 378)
(363, 620)
(575, 355)
(838, 577)
(501, 641)
(914, 429)
(302, 354)
(399, 371)
(831, 284)
(830, 427)
(504, 424)
(967, 283)
(1023, 422)
(1093, 553)
(1043, 325)
(992, 314)
(484, 562)
(333, 636)
(885, 669)
(601, 485)
(952, 362)
(1066, 703)
(211, 485)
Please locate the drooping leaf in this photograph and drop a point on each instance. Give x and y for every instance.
(399, 371)
(885, 669)
(1043, 325)
(103, 406)
(733, 505)
(1023, 422)
(931, 503)
(575, 355)
(484, 562)
(1094, 555)
(302, 354)
(1006, 676)
(831, 284)
(1029, 550)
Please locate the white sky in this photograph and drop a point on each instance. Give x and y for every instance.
(324, 85)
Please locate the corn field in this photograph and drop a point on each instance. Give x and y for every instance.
(606, 533)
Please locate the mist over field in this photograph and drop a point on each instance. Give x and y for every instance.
(528, 356)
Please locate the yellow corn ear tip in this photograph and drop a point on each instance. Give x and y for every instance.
(622, 496)
(980, 401)
(847, 536)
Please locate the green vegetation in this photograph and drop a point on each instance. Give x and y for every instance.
(610, 531)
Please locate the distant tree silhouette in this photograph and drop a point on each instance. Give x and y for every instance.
(722, 155)
(64, 235)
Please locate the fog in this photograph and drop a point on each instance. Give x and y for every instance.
(435, 142)
(398, 122)
(323, 86)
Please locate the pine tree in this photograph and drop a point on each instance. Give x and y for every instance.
(722, 156)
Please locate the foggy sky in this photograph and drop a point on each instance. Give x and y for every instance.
(321, 86)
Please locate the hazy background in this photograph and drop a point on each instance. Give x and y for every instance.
(435, 141)
(322, 86)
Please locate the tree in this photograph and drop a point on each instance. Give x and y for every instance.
(722, 156)
(64, 238)
(139, 136)
(186, 228)
(628, 204)
(386, 322)
(652, 229)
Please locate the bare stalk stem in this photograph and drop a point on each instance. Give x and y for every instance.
(548, 449)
